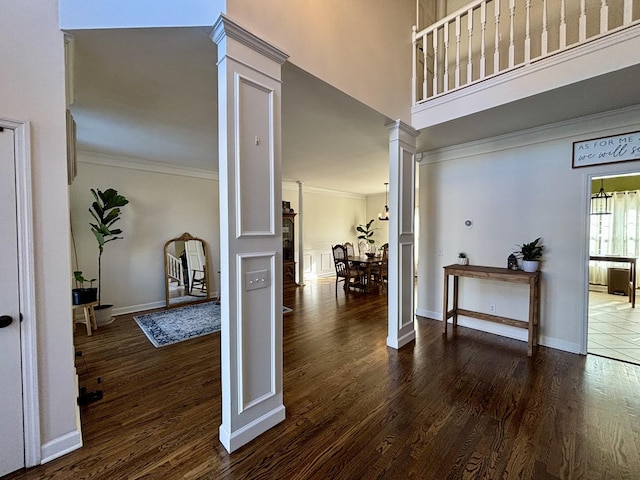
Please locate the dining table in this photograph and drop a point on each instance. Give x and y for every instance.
(365, 264)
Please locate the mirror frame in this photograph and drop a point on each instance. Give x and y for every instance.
(184, 238)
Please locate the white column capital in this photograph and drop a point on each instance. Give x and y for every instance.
(225, 27)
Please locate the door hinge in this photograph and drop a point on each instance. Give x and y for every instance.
(21, 317)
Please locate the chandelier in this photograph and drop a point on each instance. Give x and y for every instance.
(600, 202)
(384, 215)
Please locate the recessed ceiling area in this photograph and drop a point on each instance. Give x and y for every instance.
(150, 95)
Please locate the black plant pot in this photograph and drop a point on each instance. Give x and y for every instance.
(80, 296)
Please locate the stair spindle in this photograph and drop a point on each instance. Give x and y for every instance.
(483, 27)
(583, 21)
(470, 53)
(563, 25)
(496, 53)
(604, 16)
(544, 38)
(512, 45)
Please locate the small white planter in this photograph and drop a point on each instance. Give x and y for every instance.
(463, 261)
(530, 265)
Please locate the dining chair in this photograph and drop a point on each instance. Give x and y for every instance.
(344, 273)
(380, 272)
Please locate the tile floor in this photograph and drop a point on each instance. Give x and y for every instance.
(614, 327)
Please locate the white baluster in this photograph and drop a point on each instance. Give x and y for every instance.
(604, 16)
(512, 45)
(583, 21)
(628, 10)
(527, 33)
(445, 83)
(457, 72)
(425, 70)
(563, 25)
(414, 69)
(496, 53)
(470, 53)
(483, 27)
(544, 39)
(435, 62)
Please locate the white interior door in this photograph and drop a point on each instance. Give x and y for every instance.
(195, 260)
(11, 418)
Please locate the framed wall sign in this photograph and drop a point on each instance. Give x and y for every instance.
(613, 149)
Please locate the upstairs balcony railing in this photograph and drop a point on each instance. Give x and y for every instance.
(490, 37)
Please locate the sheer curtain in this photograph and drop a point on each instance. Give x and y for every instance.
(615, 234)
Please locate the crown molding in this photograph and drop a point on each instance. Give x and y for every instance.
(130, 163)
(292, 186)
(225, 27)
(589, 125)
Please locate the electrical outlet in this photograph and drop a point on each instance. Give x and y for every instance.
(492, 308)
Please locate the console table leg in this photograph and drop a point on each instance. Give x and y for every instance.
(445, 303)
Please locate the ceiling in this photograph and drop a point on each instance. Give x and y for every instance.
(151, 95)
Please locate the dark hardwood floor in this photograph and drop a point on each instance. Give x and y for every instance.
(472, 405)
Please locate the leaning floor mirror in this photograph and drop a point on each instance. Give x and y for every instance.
(186, 276)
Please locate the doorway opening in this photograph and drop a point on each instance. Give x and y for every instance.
(614, 245)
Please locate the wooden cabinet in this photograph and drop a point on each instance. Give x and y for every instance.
(288, 251)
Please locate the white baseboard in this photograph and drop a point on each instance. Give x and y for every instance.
(504, 330)
(400, 342)
(61, 446)
(147, 306)
(139, 308)
(233, 441)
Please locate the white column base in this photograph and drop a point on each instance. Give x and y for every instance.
(242, 436)
(399, 342)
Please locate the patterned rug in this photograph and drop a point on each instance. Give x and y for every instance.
(178, 324)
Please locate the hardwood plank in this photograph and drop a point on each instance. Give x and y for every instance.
(468, 406)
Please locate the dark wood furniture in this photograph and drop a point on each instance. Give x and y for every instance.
(632, 271)
(493, 273)
(367, 265)
(344, 270)
(288, 251)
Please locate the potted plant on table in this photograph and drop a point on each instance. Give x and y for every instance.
(366, 235)
(105, 210)
(530, 253)
(81, 295)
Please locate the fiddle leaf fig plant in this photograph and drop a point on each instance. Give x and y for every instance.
(366, 232)
(105, 210)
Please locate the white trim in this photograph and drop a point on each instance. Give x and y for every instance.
(503, 330)
(291, 185)
(61, 446)
(96, 158)
(139, 308)
(623, 34)
(589, 125)
(245, 434)
(27, 288)
(225, 27)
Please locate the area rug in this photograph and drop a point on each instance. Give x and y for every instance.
(178, 324)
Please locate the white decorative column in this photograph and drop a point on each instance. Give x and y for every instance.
(402, 149)
(249, 99)
(300, 236)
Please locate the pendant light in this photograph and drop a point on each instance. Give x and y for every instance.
(600, 202)
(384, 215)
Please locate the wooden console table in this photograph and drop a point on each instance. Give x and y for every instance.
(632, 272)
(494, 273)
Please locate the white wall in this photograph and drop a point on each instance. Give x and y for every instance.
(32, 89)
(163, 204)
(329, 218)
(515, 188)
(360, 47)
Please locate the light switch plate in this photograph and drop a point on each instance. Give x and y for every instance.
(256, 280)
